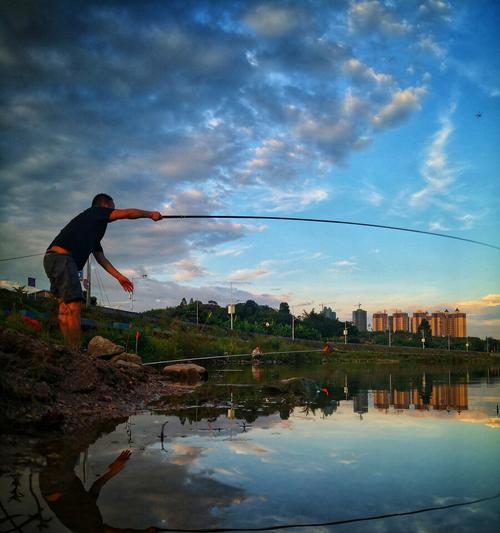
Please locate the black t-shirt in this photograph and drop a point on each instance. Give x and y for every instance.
(82, 235)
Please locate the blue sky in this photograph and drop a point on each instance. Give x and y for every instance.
(362, 111)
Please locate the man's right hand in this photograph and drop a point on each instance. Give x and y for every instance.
(155, 215)
(126, 283)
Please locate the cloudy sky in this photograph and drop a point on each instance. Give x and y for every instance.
(360, 111)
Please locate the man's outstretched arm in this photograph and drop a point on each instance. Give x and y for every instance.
(108, 267)
(120, 214)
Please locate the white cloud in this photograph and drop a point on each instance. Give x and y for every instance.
(189, 269)
(436, 170)
(281, 200)
(373, 16)
(273, 20)
(487, 301)
(233, 251)
(373, 197)
(344, 266)
(362, 73)
(428, 44)
(403, 102)
(437, 226)
(248, 274)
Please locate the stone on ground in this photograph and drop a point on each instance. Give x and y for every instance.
(128, 357)
(185, 371)
(103, 348)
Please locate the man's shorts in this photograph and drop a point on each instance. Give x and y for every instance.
(63, 274)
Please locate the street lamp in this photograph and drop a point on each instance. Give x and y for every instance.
(447, 327)
(131, 296)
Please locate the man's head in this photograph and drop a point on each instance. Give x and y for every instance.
(103, 200)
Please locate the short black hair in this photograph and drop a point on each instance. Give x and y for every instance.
(100, 199)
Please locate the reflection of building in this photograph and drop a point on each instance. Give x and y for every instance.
(400, 321)
(381, 399)
(447, 397)
(418, 401)
(400, 399)
(359, 319)
(380, 321)
(361, 402)
(440, 397)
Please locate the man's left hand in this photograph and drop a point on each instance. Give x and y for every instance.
(126, 284)
(155, 215)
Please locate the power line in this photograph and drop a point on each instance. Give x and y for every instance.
(327, 221)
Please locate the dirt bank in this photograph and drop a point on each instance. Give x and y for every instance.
(46, 387)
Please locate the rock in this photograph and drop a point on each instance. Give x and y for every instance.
(306, 388)
(103, 348)
(41, 391)
(125, 356)
(186, 372)
(127, 364)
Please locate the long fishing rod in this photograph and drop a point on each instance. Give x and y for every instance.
(299, 219)
(229, 356)
(327, 221)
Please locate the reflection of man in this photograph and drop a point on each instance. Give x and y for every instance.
(75, 507)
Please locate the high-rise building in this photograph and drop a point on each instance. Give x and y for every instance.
(380, 321)
(444, 323)
(328, 312)
(400, 321)
(359, 319)
(438, 323)
(456, 324)
(417, 318)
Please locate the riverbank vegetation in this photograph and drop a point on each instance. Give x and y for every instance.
(197, 329)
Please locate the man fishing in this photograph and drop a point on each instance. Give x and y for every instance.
(69, 251)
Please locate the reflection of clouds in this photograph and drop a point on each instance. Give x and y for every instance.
(246, 448)
(187, 455)
(168, 495)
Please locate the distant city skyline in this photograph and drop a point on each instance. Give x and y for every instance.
(368, 111)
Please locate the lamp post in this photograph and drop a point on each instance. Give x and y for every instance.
(143, 276)
(447, 327)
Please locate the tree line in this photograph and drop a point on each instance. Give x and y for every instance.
(250, 317)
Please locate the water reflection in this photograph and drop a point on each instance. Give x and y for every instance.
(256, 453)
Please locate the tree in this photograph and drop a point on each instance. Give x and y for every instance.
(284, 308)
(425, 329)
(183, 303)
(21, 295)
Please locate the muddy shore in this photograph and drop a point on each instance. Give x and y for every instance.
(47, 388)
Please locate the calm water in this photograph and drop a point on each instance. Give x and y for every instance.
(358, 442)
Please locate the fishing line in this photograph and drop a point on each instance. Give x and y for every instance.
(327, 221)
(333, 523)
(226, 356)
(21, 257)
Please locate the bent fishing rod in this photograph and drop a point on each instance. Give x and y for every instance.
(299, 219)
(328, 221)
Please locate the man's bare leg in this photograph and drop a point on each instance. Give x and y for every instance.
(69, 322)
